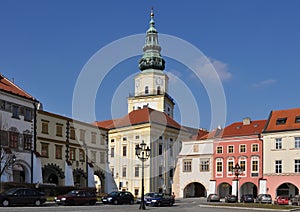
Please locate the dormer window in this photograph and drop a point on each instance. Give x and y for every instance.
(297, 119)
(281, 121)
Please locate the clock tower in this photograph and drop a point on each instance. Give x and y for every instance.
(151, 84)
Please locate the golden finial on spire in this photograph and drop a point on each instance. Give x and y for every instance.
(152, 13)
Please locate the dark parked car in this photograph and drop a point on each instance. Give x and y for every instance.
(264, 198)
(160, 199)
(118, 197)
(213, 198)
(22, 196)
(247, 198)
(230, 198)
(296, 200)
(77, 197)
(150, 194)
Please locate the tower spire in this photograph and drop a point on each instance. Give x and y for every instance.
(152, 58)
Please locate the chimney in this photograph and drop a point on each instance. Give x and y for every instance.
(246, 121)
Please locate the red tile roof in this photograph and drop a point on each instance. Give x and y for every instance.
(9, 87)
(135, 117)
(213, 134)
(200, 134)
(290, 123)
(240, 129)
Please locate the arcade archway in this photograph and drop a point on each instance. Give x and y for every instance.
(287, 189)
(224, 189)
(194, 190)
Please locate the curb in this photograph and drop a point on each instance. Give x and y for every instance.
(258, 209)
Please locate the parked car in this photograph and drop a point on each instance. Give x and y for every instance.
(160, 199)
(77, 197)
(247, 198)
(295, 200)
(230, 198)
(150, 194)
(281, 200)
(213, 198)
(264, 198)
(118, 197)
(22, 196)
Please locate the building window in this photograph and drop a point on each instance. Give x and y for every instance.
(158, 90)
(4, 138)
(112, 140)
(136, 171)
(124, 172)
(112, 171)
(124, 138)
(219, 149)
(45, 126)
(278, 143)
(160, 171)
(243, 148)
(281, 121)
(254, 147)
(136, 192)
(297, 166)
(102, 157)
(187, 165)
(278, 166)
(81, 155)
(82, 135)
(254, 166)
(27, 114)
(219, 166)
(160, 149)
(13, 140)
(72, 133)
(243, 165)
(93, 156)
(27, 142)
(229, 166)
(59, 129)
(58, 151)
(72, 154)
(146, 90)
(137, 137)
(15, 111)
(94, 136)
(112, 152)
(297, 142)
(102, 140)
(44, 149)
(297, 119)
(124, 150)
(230, 149)
(204, 165)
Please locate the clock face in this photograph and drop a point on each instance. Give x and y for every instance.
(159, 81)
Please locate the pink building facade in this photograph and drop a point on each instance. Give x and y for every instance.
(240, 143)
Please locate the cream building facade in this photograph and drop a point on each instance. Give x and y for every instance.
(281, 152)
(72, 152)
(194, 168)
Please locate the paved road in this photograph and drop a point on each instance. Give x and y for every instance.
(189, 205)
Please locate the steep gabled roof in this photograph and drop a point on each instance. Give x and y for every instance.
(201, 133)
(141, 116)
(241, 129)
(283, 120)
(216, 133)
(7, 86)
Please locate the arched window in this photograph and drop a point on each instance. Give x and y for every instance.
(146, 90)
(158, 90)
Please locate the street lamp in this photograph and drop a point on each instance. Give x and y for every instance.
(237, 171)
(143, 154)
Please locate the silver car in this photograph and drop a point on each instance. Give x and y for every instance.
(264, 198)
(296, 200)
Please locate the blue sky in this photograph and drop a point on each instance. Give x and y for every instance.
(254, 46)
